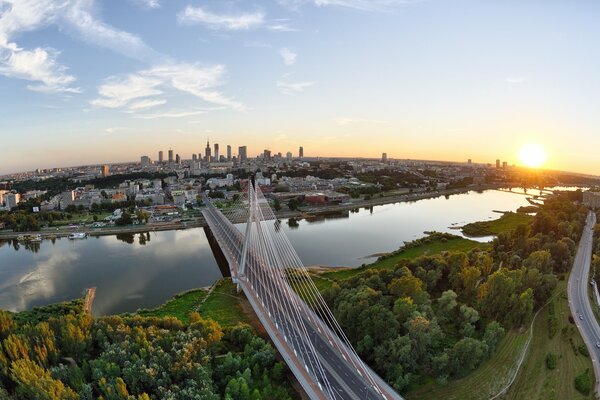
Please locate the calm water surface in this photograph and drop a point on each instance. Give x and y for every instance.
(144, 270)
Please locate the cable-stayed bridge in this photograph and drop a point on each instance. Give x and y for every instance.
(267, 268)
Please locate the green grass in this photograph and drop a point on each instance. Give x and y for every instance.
(507, 222)
(179, 306)
(223, 304)
(537, 382)
(434, 246)
(487, 380)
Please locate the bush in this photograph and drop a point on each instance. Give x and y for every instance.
(584, 383)
(550, 361)
(583, 350)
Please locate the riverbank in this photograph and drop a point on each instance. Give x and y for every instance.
(199, 222)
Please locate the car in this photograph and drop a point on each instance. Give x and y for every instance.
(598, 345)
(581, 316)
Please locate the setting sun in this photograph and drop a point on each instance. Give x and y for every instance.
(532, 155)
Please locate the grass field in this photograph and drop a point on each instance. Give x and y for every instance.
(485, 381)
(534, 380)
(538, 382)
(179, 306)
(223, 304)
(507, 222)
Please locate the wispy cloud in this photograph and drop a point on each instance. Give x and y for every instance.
(144, 89)
(41, 64)
(171, 114)
(293, 88)
(289, 57)
(231, 22)
(281, 25)
(148, 4)
(364, 5)
(242, 21)
(348, 121)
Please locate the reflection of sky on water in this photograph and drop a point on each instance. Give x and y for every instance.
(127, 276)
(349, 242)
(130, 276)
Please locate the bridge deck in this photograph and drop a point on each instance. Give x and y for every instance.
(323, 364)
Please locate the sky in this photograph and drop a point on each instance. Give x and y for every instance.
(91, 81)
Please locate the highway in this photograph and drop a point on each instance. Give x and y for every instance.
(579, 301)
(295, 329)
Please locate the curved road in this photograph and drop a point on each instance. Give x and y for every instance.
(579, 301)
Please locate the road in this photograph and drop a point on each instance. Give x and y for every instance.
(579, 301)
(288, 316)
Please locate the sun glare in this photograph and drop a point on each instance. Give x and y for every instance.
(532, 155)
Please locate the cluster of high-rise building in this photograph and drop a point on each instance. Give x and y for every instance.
(214, 155)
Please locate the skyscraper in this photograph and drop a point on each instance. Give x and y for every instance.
(266, 154)
(145, 161)
(170, 156)
(105, 170)
(242, 153)
(207, 151)
(160, 157)
(301, 152)
(216, 155)
(384, 157)
(288, 156)
(194, 158)
(497, 163)
(177, 159)
(228, 153)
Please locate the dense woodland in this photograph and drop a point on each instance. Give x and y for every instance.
(59, 352)
(440, 316)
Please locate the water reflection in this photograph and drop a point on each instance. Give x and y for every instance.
(129, 271)
(132, 271)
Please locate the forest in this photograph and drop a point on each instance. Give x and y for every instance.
(59, 352)
(439, 316)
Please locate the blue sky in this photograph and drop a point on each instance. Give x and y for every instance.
(84, 81)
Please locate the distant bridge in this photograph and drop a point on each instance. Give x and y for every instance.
(266, 267)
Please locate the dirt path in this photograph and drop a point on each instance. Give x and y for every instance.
(90, 294)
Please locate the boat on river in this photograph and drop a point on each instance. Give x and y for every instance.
(78, 235)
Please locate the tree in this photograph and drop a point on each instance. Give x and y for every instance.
(293, 204)
(71, 208)
(124, 220)
(584, 382)
(33, 382)
(551, 361)
(540, 260)
(494, 332)
(142, 215)
(466, 355)
(276, 205)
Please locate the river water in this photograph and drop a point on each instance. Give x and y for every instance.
(144, 270)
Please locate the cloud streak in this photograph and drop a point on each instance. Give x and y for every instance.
(146, 89)
(362, 5)
(289, 57)
(230, 22)
(41, 64)
(293, 88)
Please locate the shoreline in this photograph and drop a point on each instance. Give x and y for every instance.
(306, 212)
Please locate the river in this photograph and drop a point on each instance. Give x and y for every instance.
(144, 270)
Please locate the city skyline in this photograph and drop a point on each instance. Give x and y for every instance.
(84, 83)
